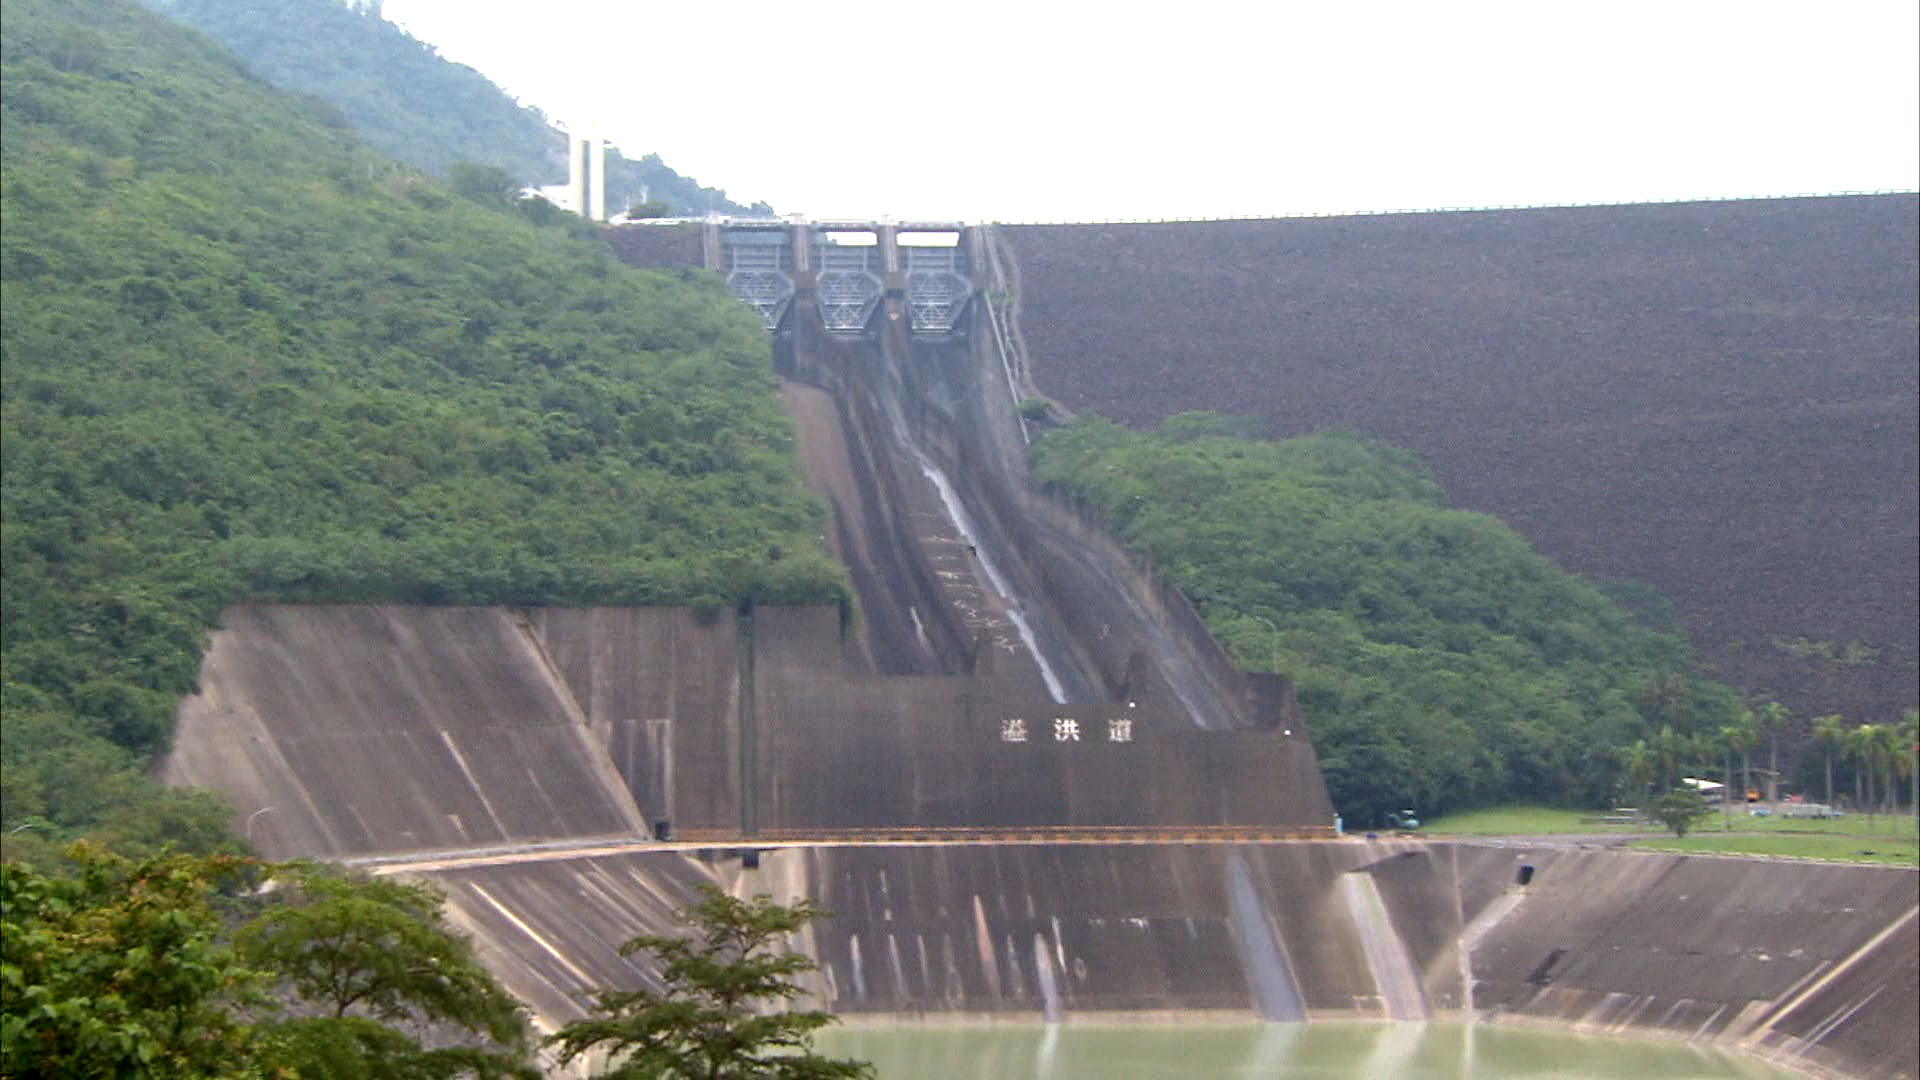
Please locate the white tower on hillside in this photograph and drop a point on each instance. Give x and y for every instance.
(597, 177)
(587, 175)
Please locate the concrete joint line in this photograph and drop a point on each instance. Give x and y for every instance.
(598, 760)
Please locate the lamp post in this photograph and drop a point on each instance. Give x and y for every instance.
(250, 818)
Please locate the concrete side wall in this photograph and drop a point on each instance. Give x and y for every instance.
(1857, 1018)
(1707, 949)
(1812, 965)
(954, 928)
(841, 752)
(661, 690)
(551, 932)
(385, 729)
(370, 729)
(658, 247)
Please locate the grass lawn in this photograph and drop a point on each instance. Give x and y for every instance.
(1522, 821)
(1881, 848)
(1853, 838)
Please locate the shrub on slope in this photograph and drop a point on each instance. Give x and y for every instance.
(246, 358)
(1441, 661)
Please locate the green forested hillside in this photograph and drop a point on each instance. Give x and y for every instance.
(1441, 661)
(247, 358)
(410, 104)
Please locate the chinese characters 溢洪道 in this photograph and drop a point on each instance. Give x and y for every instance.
(1065, 729)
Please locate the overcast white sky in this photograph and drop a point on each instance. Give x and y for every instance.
(1036, 111)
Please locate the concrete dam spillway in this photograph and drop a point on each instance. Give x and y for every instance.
(1027, 782)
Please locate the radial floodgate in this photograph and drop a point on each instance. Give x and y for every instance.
(843, 272)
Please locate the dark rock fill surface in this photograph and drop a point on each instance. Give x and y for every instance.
(1718, 399)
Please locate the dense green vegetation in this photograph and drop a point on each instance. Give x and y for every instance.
(380, 79)
(191, 967)
(246, 357)
(1441, 662)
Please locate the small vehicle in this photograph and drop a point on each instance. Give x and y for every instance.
(1403, 820)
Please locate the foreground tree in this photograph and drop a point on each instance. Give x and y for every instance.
(1679, 809)
(112, 967)
(718, 1013)
(119, 970)
(367, 955)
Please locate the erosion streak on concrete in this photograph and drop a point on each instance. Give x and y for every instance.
(1276, 994)
(1386, 954)
(1865, 1004)
(1844, 967)
(373, 729)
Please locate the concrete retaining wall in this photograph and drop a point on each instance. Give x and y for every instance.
(350, 730)
(1809, 965)
(363, 730)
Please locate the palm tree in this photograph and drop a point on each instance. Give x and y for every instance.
(1774, 719)
(1749, 726)
(1670, 752)
(1668, 697)
(1863, 746)
(1735, 738)
(1887, 751)
(1830, 735)
(1637, 763)
(1911, 738)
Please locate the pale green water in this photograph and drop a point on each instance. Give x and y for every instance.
(1319, 1051)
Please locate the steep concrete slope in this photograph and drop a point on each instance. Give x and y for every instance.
(1719, 399)
(1803, 962)
(1810, 965)
(362, 729)
(552, 931)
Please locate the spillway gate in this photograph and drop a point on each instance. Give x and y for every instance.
(845, 272)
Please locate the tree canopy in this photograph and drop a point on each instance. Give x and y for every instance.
(183, 966)
(245, 357)
(719, 1011)
(1441, 661)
